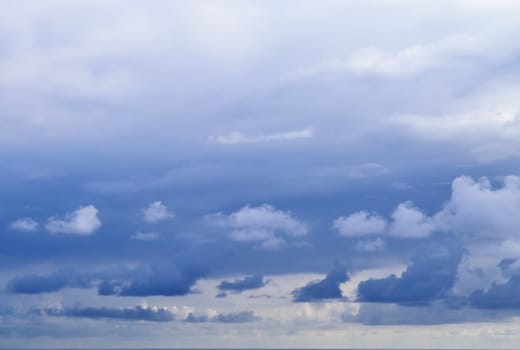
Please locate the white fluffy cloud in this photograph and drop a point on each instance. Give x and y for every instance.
(82, 221)
(157, 211)
(407, 222)
(476, 209)
(24, 225)
(361, 223)
(410, 222)
(263, 224)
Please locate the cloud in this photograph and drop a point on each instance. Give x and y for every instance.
(237, 317)
(371, 246)
(408, 61)
(156, 212)
(476, 209)
(136, 313)
(24, 225)
(146, 236)
(146, 280)
(263, 224)
(407, 222)
(360, 224)
(37, 284)
(247, 283)
(235, 138)
(327, 288)
(430, 276)
(157, 279)
(410, 222)
(82, 221)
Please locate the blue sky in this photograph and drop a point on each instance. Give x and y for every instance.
(259, 174)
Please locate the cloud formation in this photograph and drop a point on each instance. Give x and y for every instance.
(264, 224)
(37, 284)
(82, 221)
(136, 313)
(156, 279)
(361, 223)
(236, 317)
(24, 225)
(247, 283)
(430, 276)
(327, 288)
(235, 138)
(156, 212)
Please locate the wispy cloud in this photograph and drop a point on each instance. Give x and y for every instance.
(236, 137)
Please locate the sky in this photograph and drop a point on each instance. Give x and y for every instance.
(263, 174)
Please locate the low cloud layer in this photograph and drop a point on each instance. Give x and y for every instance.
(247, 283)
(137, 313)
(327, 288)
(236, 317)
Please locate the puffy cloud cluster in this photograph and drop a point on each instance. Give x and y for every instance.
(156, 212)
(82, 221)
(264, 224)
(475, 209)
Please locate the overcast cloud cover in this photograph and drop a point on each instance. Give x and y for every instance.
(259, 173)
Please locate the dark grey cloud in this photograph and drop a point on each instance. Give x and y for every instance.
(430, 276)
(499, 296)
(154, 279)
(36, 284)
(240, 285)
(136, 313)
(159, 279)
(327, 288)
(234, 317)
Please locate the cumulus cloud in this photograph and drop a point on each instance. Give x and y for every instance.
(263, 224)
(327, 288)
(24, 225)
(247, 283)
(430, 276)
(240, 138)
(477, 209)
(360, 224)
(410, 222)
(236, 317)
(156, 212)
(136, 313)
(474, 209)
(82, 221)
(407, 222)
